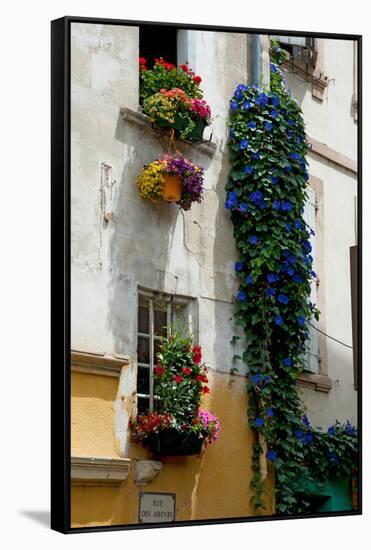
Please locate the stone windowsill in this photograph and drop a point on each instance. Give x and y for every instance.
(141, 120)
(88, 470)
(95, 363)
(317, 382)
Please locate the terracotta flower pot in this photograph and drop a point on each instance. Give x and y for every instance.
(172, 188)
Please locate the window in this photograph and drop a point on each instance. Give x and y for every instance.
(158, 41)
(312, 360)
(158, 314)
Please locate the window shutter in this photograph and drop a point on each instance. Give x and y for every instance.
(312, 357)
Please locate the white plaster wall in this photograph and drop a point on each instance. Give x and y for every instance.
(330, 121)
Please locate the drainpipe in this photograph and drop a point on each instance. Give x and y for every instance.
(256, 60)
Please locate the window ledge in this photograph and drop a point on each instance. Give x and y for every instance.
(93, 470)
(141, 120)
(95, 363)
(317, 382)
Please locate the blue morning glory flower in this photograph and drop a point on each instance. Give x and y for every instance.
(313, 274)
(275, 100)
(287, 168)
(349, 430)
(283, 299)
(272, 278)
(267, 379)
(295, 156)
(275, 113)
(275, 180)
(253, 239)
(244, 144)
(248, 169)
(301, 320)
(244, 208)
(233, 104)
(306, 421)
(271, 455)
(278, 320)
(306, 176)
(297, 278)
(256, 196)
(238, 266)
(270, 412)
(231, 201)
(246, 105)
(287, 362)
(298, 224)
(256, 378)
(249, 280)
(261, 100)
(241, 296)
(307, 246)
(261, 204)
(290, 271)
(251, 125)
(273, 67)
(259, 422)
(231, 133)
(288, 227)
(268, 126)
(291, 259)
(286, 206)
(229, 204)
(290, 122)
(331, 430)
(308, 438)
(285, 253)
(256, 156)
(276, 204)
(298, 434)
(270, 292)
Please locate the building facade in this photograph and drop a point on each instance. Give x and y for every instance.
(137, 266)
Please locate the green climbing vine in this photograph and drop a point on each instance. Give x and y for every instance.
(266, 194)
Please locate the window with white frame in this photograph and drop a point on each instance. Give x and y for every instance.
(312, 355)
(158, 315)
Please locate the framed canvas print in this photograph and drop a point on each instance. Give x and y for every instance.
(206, 266)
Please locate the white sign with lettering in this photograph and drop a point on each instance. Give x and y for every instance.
(156, 507)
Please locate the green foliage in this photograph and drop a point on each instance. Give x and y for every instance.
(266, 193)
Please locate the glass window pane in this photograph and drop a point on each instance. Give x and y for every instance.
(179, 319)
(143, 405)
(143, 350)
(160, 320)
(157, 349)
(143, 380)
(143, 319)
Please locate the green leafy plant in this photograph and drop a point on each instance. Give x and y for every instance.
(266, 193)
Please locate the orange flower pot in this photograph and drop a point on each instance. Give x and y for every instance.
(172, 188)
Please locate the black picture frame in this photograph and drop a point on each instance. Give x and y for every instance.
(61, 270)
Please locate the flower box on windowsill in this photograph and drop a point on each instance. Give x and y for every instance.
(136, 118)
(170, 442)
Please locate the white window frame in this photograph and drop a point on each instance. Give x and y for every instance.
(153, 297)
(312, 346)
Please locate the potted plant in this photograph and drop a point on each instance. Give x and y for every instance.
(177, 426)
(172, 98)
(173, 178)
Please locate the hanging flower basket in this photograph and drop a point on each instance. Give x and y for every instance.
(172, 178)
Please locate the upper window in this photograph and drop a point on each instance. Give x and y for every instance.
(157, 41)
(158, 315)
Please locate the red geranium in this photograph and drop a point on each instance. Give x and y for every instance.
(187, 371)
(197, 355)
(178, 379)
(185, 68)
(205, 389)
(159, 369)
(197, 79)
(202, 378)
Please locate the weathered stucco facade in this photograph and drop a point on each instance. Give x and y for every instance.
(120, 243)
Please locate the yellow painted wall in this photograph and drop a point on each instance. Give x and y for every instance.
(213, 485)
